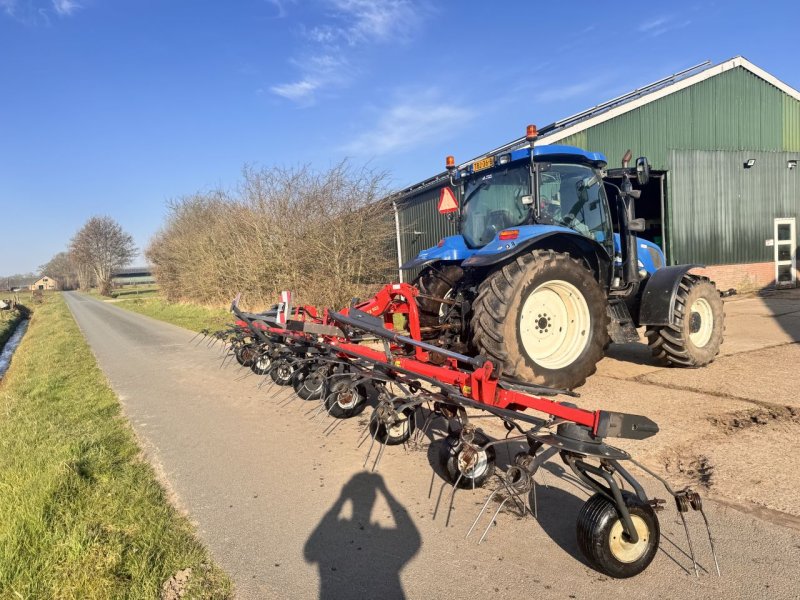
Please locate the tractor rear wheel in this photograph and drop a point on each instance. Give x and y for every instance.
(543, 317)
(602, 539)
(695, 338)
(438, 283)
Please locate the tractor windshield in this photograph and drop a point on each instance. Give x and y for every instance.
(573, 196)
(493, 202)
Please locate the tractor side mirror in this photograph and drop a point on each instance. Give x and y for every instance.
(642, 170)
(636, 225)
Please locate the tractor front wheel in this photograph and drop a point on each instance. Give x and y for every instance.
(544, 318)
(436, 282)
(696, 335)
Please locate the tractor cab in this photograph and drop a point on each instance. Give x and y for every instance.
(556, 186)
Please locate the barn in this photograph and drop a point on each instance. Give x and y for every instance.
(723, 142)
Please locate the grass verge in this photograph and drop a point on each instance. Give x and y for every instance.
(189, 316)
(81, 513)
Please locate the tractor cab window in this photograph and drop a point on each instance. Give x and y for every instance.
(493, 202)
(573, 196)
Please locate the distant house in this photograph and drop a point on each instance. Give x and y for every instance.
(44, 283)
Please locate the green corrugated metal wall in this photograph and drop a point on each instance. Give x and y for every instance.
(723, 213)
(421, 225)
(699, 136)
(732, 111)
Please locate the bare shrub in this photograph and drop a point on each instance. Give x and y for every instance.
(323, 235)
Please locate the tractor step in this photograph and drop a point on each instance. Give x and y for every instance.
(621, 329)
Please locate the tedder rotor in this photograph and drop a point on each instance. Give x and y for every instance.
(350, 359)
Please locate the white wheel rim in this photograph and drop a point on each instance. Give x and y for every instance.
(263, 363)
(555, 324)
(473, 464)
(353, 395)
(701, 322)
(622, 549)
(398, 430)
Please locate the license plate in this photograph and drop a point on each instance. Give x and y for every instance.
(484, 163)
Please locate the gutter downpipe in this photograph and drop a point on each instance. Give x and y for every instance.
(397, 236)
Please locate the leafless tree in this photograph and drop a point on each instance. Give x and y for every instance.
(62, 269)
(324, 235)
(102, 246)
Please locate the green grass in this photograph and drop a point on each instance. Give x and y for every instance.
(8, 322)
(189, 316)
(81, 513)
(146, 300)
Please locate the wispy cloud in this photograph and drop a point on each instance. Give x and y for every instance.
(65, 7)
(349, 27)
(661, 24)
(407, 123)
(38, 12)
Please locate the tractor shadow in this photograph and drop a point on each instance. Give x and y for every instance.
(357, 557)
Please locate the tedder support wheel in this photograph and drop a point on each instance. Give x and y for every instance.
(345, 400)
(437, 282)
(602, 539)
(262, 363)
(281, 371)
(544, 317)
(695, 338)
(401, 428)
(246, 354)
(470, 466)
(310, 385)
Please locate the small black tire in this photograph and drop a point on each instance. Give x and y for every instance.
(695, 338)
(451, 459)
(246, 354)
(310, 385)
(345, 400)
(262, 364)
(601, 537)
(543, 317)
(281, 372)
(399, 433)
(437, 282)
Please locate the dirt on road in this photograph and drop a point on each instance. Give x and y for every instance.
(284, 503)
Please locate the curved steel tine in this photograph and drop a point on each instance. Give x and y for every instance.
(711, 541)
(365, 433)
(452, 497)
(480, 513)
(494, 517)
(691, 548)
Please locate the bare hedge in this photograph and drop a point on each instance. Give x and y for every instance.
(323, 235)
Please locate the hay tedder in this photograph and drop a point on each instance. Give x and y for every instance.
(373, 354)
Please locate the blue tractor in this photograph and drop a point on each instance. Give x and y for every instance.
(546, 271)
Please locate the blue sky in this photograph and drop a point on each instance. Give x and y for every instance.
(116, 106)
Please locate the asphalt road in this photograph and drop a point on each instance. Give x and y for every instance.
(286, 508)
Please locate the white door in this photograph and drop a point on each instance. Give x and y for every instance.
(785, 253)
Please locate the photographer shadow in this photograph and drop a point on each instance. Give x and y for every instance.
(356, 557)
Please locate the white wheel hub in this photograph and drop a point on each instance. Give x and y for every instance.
(398, 429)
(623, 549)
(472, 461)
(701, 322)
(555, 324)
(444, 307)
(348, 398)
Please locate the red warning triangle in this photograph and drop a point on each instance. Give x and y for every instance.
(447, 201)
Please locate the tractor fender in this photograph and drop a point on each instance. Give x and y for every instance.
(452, 249)
(658, 298)
(561, 240)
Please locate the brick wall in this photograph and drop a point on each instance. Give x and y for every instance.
(745, 277)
